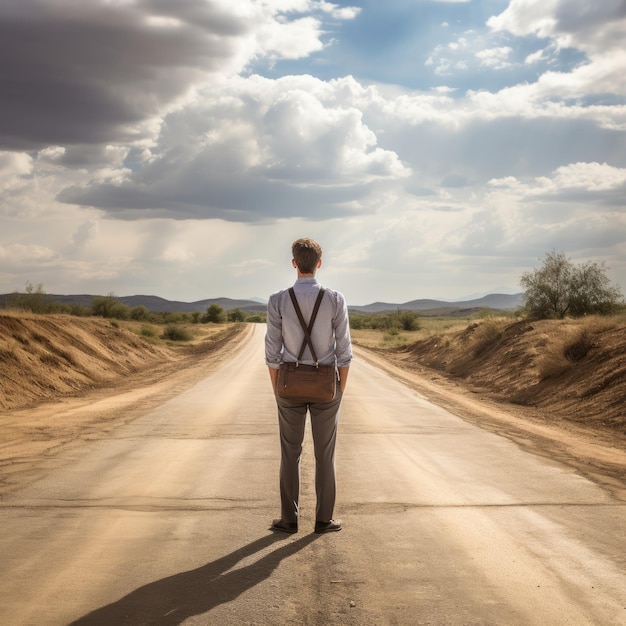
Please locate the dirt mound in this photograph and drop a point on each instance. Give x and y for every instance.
(42, 357)
(574, 370)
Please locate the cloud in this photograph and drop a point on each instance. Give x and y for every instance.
(454, 180)
(250, 150)
(535, 57)
(496, 58)
(20, 254)
(105, 72)
(598, 29)
(579, 182)
(293, 40)
(13, 168)
(339, 12)
(595, 27)
(85, 233)
(144, 152)
(254, 149)
(471, 52)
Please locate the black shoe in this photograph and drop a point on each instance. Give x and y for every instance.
(285, 527)
(328, 527)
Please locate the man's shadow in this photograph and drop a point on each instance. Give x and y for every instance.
(172, 600)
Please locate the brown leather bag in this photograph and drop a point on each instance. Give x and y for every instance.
(307, 383)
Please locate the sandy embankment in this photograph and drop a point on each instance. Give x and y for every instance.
(66, 380)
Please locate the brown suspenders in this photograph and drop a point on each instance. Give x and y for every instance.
(307, 329)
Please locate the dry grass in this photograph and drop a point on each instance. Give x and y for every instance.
(487, 334)
(571, 342)
(154, 332)
(429, 326)
(573, 368)
(551, 362)
(370, 338)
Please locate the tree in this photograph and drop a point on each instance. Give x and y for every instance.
(110, 307)
(409, 320)
(559, 288)
(236, 315)
(33, 300)
(593, 291)
(139, 313)
(215, 314)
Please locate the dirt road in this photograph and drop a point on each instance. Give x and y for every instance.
(164, 520)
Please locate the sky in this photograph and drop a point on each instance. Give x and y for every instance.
(435, 148)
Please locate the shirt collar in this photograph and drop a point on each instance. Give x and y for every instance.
(307, 280)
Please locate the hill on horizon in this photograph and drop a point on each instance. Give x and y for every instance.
(496, 301)
(156, 304)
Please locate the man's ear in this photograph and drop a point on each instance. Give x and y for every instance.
(293, 262)
(319, 263)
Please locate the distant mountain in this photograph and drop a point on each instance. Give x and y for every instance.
(159, 305)
(496, 301)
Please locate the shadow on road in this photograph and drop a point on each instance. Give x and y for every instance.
(172, 600)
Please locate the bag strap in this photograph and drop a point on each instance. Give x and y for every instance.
(307, 329)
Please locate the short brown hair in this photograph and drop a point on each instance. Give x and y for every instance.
(307, 253)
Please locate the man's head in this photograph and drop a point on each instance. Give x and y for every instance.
(307, 255)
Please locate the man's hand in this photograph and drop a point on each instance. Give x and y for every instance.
(273, 376)
(343, 377)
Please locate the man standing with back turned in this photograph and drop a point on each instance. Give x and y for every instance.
(332, 344)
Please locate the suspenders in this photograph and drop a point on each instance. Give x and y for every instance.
(307, 328)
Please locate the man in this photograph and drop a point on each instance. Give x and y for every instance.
(332, 344)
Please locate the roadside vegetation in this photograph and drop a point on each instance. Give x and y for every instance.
(173, 327)
(558, 289)
(370, 333)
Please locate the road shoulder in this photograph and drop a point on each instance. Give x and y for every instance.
(599, 456)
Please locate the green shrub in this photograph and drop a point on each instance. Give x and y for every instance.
(35, 300)
(109, 307)
(214, 314)
(80, 311)
(148, 331)
(401, 320)
(236, 315)
(139, 313)
(561, 288)
(357, 321)
(176, 317)
(174, 332)
(409, 320)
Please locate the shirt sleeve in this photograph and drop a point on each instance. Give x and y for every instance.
(343, 341)
(274, 333)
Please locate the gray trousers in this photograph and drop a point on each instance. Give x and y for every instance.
(292, 421)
